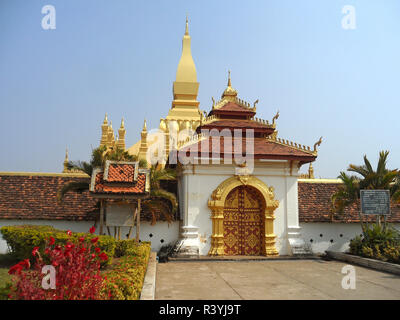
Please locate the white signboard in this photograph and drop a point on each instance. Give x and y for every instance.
(119, 215)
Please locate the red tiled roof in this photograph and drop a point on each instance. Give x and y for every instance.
(315, 204)
(233, 108)
(120, 173)
(103, 187)
(35, 197)
(263, 149)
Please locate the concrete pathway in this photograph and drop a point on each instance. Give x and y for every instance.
(297, 279)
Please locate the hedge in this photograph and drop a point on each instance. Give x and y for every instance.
(125, 280)
(22, 239)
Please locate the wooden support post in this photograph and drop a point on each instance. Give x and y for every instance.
(138, 222)
(101, 216)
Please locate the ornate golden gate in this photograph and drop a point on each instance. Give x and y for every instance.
(243, 222)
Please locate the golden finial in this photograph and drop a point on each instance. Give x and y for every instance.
(229, 78)
(105, 119)
(311, 171)
(122, 123)
(213, 101)
(187, 26)
(255, 103)
(318, 143)
(144, 125)
(275, 117)
(66, 161)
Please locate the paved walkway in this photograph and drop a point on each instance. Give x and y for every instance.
(296, 279)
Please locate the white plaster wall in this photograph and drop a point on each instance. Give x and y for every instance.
(161, 232)
(330, 236)
(199, 181)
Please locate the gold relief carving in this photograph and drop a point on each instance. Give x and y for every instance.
(217, 205)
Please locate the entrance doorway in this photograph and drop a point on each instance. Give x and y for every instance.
(243, 222)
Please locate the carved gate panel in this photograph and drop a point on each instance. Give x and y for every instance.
(243, 223)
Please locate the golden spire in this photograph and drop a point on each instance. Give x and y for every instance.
(229, 93)
(104, 132)
(185, 106)
(186, 71)
(143, 143)
(110, 136)
(66, 161)
(311, 171)
(121, 136)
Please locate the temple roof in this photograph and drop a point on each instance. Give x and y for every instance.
(263, 149)
(235, 114)
(122, 179)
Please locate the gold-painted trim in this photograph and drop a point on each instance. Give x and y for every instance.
(217, 204)
(320, 180)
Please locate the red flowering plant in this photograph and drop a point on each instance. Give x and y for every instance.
(76, 272)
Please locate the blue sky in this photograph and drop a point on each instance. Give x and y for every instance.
(121, 57)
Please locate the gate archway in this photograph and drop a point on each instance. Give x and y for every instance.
(265, 199)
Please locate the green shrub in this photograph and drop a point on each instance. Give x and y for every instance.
(125, 280)
(381, 242)
(22, 239)
(356, 245)
(5, 291)
(392, 253)
(130, 247)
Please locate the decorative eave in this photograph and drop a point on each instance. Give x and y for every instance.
(295, 145)
(191, 140)
(236, 100)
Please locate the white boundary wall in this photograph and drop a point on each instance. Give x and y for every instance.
(161, 233)
(331, 236)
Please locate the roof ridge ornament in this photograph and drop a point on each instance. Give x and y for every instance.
(318, 143)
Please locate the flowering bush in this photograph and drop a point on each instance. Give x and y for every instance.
(77, 271)
(22, 239)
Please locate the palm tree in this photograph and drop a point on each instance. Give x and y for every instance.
(349, 192)
(159, 195)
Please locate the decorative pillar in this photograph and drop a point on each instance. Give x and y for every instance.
(217, 237)
(269, 242)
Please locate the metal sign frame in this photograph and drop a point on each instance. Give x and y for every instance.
(375, 202)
